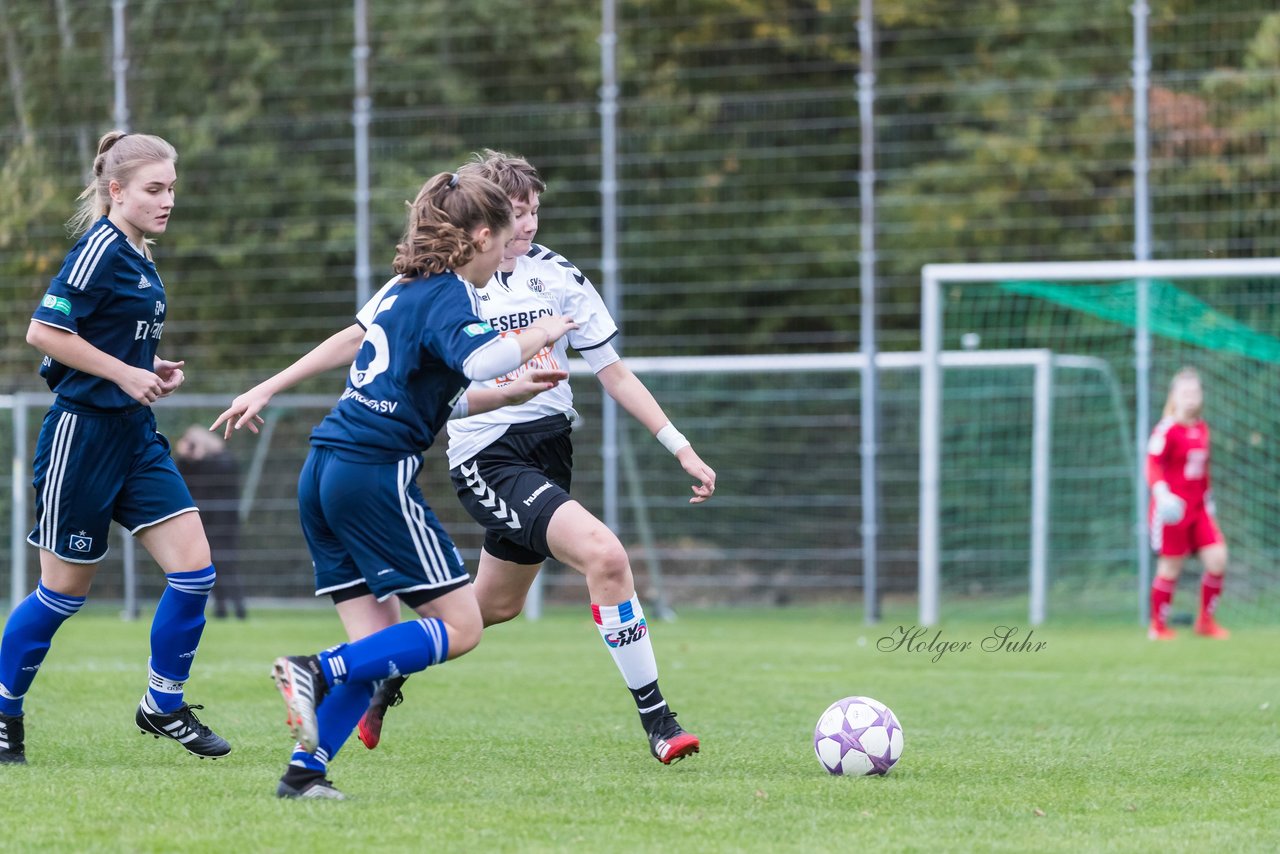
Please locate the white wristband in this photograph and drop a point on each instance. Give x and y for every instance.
(671, 438)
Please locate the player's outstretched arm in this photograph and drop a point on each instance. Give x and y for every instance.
(527, 386)
(336, 351)
(634, 396)
(504, 354)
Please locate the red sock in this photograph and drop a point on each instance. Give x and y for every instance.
(1161, 598)
(1210, 590)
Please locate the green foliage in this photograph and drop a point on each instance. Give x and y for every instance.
(1004, 131)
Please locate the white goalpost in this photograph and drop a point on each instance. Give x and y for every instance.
(1009, 308)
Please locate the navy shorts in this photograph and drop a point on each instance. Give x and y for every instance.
(515, 485)
(93, 467)
(366, 523)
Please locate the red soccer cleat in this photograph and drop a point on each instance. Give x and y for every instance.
(386, 695)
(1208, 627)
(668, 742)
(1161, 633)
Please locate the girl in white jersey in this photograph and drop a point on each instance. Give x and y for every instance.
(512, 467)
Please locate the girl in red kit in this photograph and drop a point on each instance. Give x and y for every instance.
(1182, 514)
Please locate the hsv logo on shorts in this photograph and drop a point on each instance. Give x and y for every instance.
(80, 543)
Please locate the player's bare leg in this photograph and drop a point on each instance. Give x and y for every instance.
(502, 587)
(580, 540)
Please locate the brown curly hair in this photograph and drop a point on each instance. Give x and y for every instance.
(448, 208)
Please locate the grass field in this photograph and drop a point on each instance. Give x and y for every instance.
(1098, 741)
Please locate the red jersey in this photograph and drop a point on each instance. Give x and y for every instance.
(1178, 454)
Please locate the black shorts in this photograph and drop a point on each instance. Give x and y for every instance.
(513, 487)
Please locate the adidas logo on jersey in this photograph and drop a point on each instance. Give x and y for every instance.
(143, 283)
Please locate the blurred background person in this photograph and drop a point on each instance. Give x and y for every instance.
(1183, 519)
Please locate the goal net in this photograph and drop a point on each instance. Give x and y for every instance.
(1032, 485)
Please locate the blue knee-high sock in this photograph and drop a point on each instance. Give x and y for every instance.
(336, 717)
(27, 635)
(175, 634)
(395, 651)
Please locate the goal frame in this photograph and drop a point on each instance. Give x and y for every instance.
(934, 277)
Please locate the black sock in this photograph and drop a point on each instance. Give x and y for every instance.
(297, 777)
(650, 703)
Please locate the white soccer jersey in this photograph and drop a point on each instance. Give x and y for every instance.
(542, 283)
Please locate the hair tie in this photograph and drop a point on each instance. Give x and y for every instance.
(453, 182)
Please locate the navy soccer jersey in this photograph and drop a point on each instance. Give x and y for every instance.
(407, 376)
(109, 294)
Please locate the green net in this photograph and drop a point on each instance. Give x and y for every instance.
(1171, 313)
(1226, 328)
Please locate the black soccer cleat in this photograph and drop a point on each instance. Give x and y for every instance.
(183, 727)
(388, 694)
(308, 787)
(12, 750)
(669, 742)
(301, 683)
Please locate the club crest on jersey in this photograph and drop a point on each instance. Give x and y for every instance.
(80, 542)
(57, 304)
(537, 285)
(474, 329)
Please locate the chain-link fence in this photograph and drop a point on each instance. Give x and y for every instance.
(1004, 132)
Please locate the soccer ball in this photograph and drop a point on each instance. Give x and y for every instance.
(858, 736)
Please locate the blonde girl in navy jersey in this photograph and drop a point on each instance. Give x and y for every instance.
(99, 457)
(415, 348)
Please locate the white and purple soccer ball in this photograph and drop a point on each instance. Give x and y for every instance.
(858, 737)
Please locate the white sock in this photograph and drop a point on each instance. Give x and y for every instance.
(626, 634)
